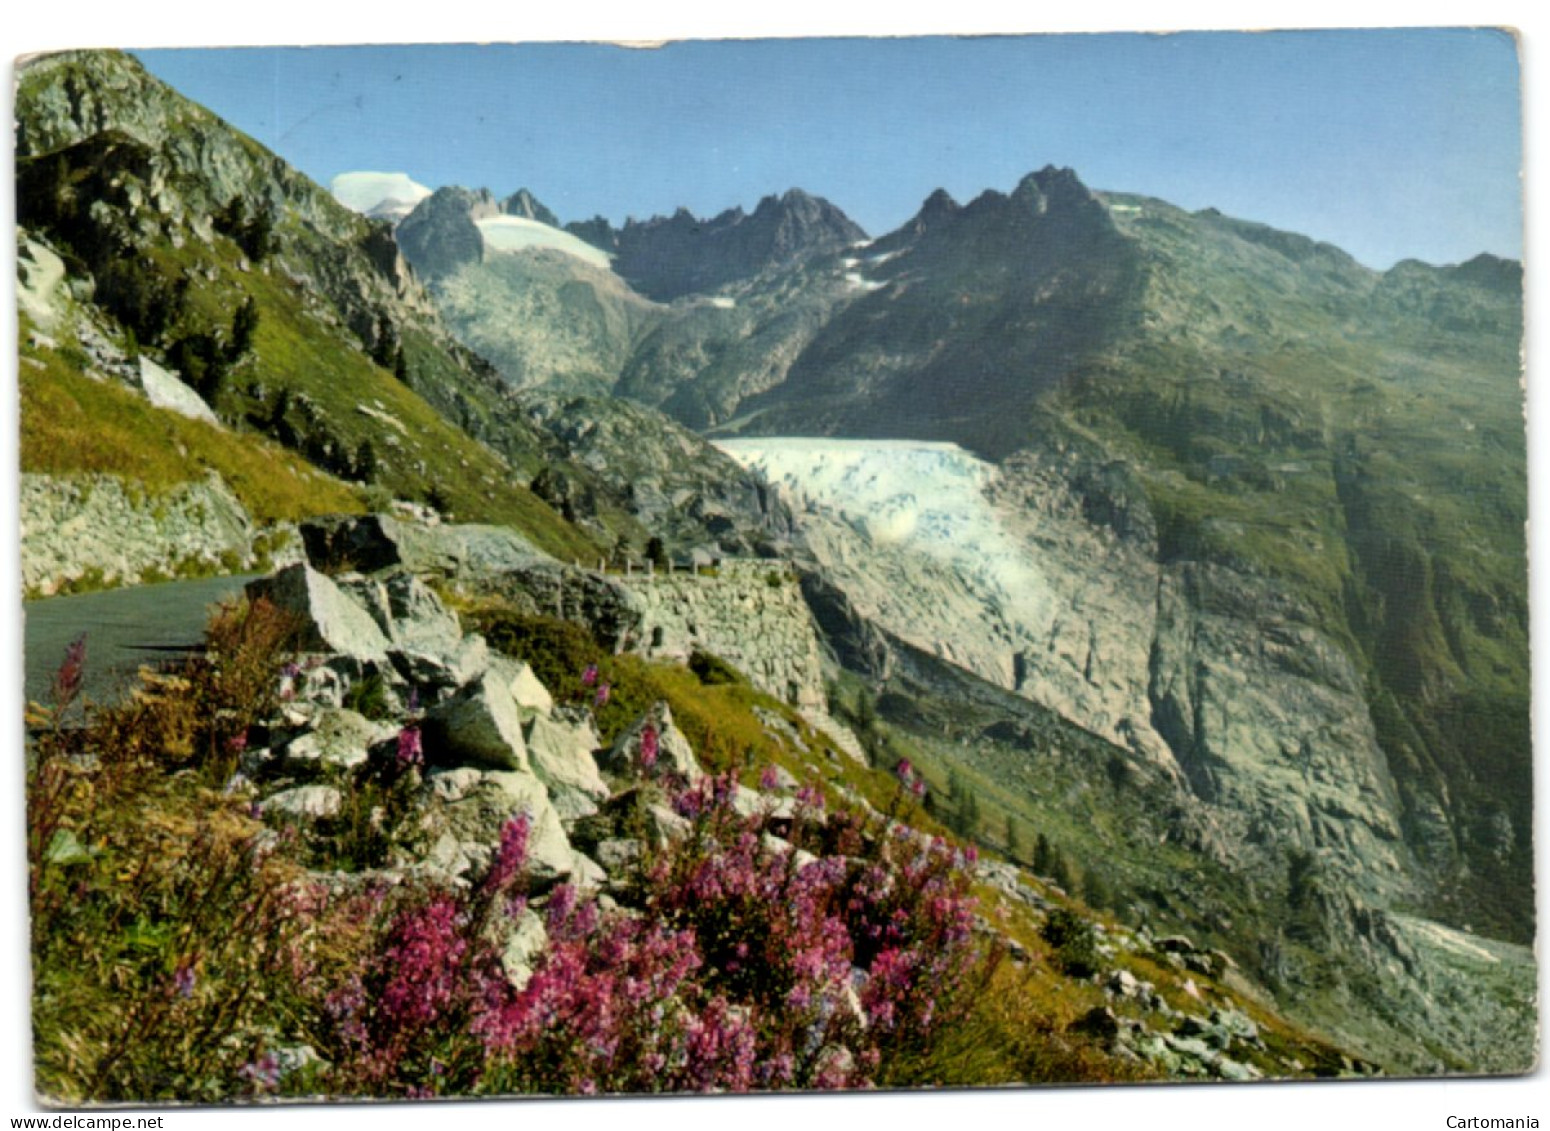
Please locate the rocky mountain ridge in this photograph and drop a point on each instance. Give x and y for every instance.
(669, 257)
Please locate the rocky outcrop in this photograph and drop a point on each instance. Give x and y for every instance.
(98, 530)
(525, 205)
(369, 543)
(327, 620)
(166, 390)
(681, 489)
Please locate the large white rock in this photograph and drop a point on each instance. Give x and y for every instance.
(306, 803)
(165, 390)
(549, 852)
(560, 753)
(466, 832)
(524, 685)
(330, 620)
(340, 740)
(419, 620)
(525, 944)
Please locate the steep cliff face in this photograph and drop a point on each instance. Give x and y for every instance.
(200, 168)
(192, 246)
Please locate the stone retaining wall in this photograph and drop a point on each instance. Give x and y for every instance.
(97, 529)
(750, 613)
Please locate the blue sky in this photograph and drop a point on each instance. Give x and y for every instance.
(1388, 143)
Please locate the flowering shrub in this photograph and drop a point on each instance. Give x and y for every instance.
(182, 951)
(747, 965)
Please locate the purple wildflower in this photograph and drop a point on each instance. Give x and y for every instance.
(264, 1072)
(72, 672)
(410, 750)
(589, 677)
(904, 770)
(184, 979)
(648, 747)
(768, 780)
(601, 698)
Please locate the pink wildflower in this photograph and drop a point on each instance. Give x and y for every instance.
(601, 698)
(648, 747)
(589, 677)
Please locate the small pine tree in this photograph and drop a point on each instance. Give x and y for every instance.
(866, 713)
(656, 552)
(365, 463)
(1043, 856)
(1060, 872)
(244, 325)
(257, 236)
(1096, 891)
(969, 813)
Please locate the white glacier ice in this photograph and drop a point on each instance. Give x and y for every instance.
(517, 233)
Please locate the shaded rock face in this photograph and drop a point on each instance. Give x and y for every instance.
(480, 726)
(524, 204)
(440, 235)
(329, 621)
(680, 488)
(1266, 718)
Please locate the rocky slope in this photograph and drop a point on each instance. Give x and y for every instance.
(1220, 680)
